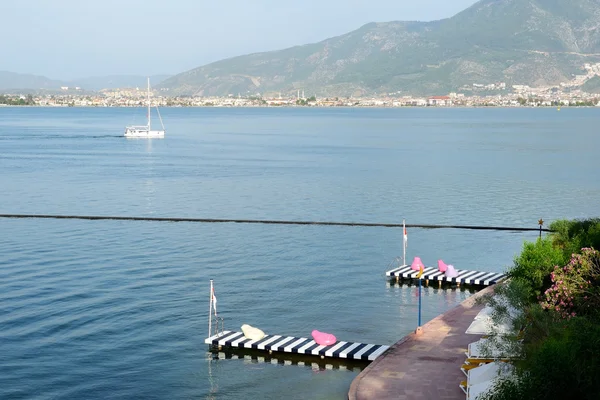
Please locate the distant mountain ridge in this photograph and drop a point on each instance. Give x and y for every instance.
(12, 80)
(526, 42)
(16, 81)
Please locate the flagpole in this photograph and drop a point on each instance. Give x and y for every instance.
(419, 303)
(210, 309)
(403, 242)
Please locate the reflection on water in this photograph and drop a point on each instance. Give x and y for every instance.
(149, 187)
(254, 357)
(213, 386)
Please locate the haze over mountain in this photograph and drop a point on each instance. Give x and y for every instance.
(12, 80)
(531, 42)
(118, 81)
(15, 81)
(69, 39)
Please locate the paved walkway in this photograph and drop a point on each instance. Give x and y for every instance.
(424, 366)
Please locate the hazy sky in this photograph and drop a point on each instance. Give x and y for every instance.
(67, 39)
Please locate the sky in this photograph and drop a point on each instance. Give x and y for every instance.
(71, 39)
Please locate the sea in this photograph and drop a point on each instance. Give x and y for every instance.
(113, 309)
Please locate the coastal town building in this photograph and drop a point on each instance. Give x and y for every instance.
(499, 94)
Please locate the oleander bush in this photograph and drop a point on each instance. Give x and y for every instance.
(575, 287)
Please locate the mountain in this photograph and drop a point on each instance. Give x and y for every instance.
(592, 85)
(11, 80)
(28, 82)
(527, 42)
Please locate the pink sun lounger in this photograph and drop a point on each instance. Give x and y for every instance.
(417, 264)
(323, 339)
(442, 266)
(451, 272)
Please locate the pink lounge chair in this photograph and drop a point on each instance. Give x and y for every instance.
(417, 264)
(442, 266)
(323, 339)
(451, 272)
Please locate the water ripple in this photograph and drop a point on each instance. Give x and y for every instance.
(116, 309)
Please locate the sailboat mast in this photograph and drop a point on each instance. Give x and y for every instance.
(149, 129)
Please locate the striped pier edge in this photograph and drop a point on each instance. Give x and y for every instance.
(433, 274)
(286, 360)
(294, 345)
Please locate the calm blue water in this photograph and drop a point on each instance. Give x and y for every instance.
(114, 309)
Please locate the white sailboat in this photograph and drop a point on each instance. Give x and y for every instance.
(145, 131)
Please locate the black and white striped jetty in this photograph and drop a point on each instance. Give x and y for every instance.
(290, 344)
(287, 359)
(433, 274)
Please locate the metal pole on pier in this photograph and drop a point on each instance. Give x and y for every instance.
(420, 301)
(404, 240)
(210, 305)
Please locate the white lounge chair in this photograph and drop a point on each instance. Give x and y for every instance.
(485, 325)
(486, 372)
(478, 389)
(476, 350)
(482, 378)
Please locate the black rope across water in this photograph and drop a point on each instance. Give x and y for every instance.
(274, 222)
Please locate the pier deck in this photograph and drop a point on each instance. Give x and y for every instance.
(464, 276)
(305, 346)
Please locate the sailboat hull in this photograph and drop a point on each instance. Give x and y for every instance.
(143, 133)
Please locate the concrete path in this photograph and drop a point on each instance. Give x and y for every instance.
(426, 365)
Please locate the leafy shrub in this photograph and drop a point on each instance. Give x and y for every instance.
(529, 323)
(535, 263)
(571, 236)
(564, 366)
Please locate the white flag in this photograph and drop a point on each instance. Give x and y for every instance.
(214, 301)
(405, 237)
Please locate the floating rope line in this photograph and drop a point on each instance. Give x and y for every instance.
(274, 222)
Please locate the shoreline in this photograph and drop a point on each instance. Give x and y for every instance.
(309, 107)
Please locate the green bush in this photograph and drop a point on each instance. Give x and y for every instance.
(535, 263)
(572, 235)
(564, 366)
